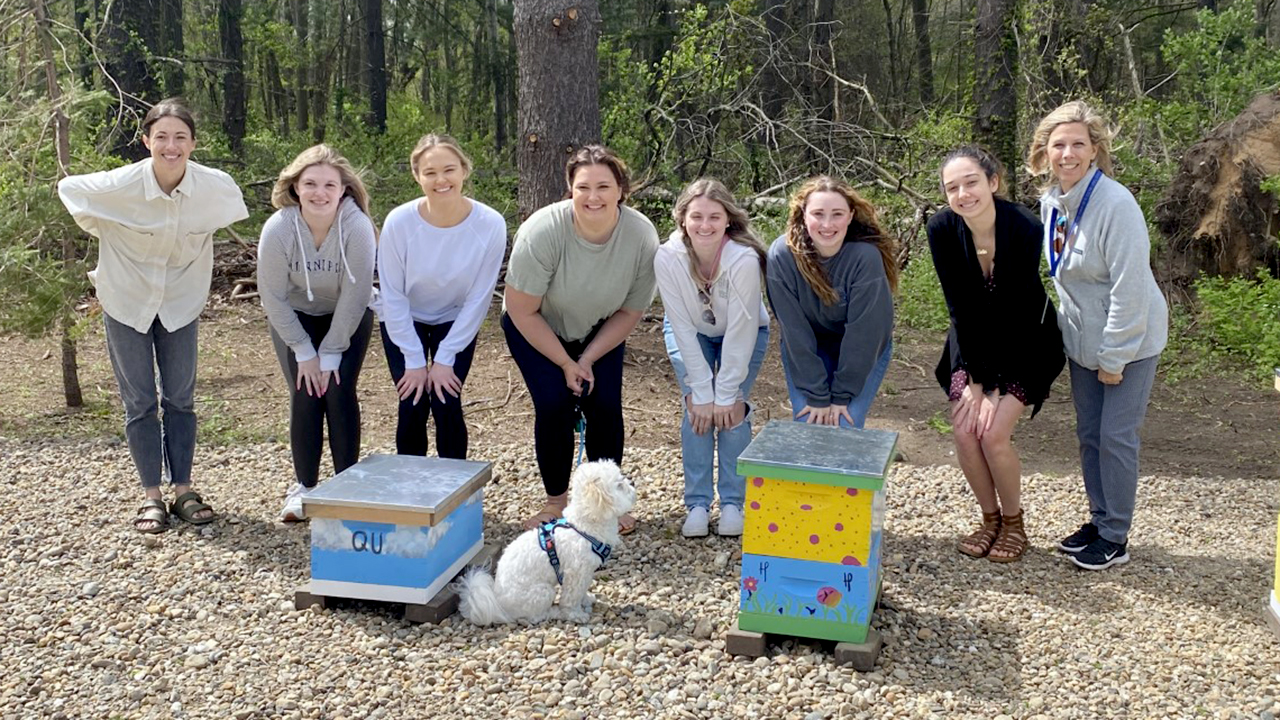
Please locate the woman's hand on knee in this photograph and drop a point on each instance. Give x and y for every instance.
(441, 379)
(310, 377)
(728, 417)
(701, 415)
(412, 384)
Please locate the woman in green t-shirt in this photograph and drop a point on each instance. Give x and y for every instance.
(579, 279)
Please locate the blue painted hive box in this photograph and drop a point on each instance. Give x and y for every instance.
(395, 528)
(811, 545)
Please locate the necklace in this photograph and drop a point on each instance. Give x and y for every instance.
(983, 251)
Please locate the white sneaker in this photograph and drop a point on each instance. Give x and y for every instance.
(696, 524)
(731, 521)
(292, 511)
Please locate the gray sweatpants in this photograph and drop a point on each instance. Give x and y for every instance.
(1108, 418)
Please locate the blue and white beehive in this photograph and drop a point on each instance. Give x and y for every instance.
(395, 528)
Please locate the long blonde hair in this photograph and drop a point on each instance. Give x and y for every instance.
(1076, 111)
(738, 229)
(283, 194)
(863, 228)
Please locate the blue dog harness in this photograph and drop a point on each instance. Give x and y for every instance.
(546, 541)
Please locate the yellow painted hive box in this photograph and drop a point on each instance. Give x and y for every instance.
(812, 542)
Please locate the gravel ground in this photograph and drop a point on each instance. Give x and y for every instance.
(99, 621)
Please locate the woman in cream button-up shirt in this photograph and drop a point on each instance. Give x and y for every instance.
(155, 221)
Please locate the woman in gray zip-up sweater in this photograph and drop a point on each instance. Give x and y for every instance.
(315, 278)
(1113, 317)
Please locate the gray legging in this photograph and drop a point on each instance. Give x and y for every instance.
(338, 405)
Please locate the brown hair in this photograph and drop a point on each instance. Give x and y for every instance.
(169, 107)
(283, 193)
(598, 155)
(435, 140)
(982, 157)
(863, 228)
(1076, 111)
(738, 229)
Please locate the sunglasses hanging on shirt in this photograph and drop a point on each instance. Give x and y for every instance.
(708, 316)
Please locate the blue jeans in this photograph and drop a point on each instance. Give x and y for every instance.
(697, 450)
(1108, 418)
(861, 403)
(138, 359)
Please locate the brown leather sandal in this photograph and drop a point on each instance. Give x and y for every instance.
(1012, 543)
(979, 542)
(548, 513)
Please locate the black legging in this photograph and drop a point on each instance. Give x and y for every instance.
(339, 405)
(411, 427)
(555, 407)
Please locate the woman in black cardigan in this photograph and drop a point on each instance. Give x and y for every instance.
(1003, 350)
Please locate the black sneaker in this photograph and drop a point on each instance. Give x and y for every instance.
(1078, 540)
(1101, 554)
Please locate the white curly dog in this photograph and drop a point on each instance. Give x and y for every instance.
(524, 587)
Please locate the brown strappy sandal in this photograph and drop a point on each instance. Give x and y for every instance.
(983, 537)
(1012, 543)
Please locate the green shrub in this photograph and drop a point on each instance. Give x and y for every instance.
(920, 301)
(1240, 319)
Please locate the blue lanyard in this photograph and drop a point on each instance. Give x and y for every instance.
(1055, 257)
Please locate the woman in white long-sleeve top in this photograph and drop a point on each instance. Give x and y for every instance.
(1113, 317)
(438, 263)
(315, 278)
(710, 274)
(154, 221)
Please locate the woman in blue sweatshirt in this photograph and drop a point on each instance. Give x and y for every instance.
(831, 280)
(1113, 317)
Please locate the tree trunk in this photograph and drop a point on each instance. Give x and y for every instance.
(302, 81)
(234, 99)
(61, 126)
(559, 106)
(376, 63)
(995, 56)
(497, 76)
(773, 86)
(84, 68)
(322, 61)
(821, 94)
(924, 50)
(127, 36)
(172, 47)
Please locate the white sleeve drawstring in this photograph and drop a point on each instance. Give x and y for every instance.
(306, 274)
(342, 250)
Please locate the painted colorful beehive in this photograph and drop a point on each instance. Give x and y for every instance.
(811, 546)
(395, 528)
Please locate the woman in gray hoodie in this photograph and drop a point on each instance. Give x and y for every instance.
(1113, 317)
(315, 278)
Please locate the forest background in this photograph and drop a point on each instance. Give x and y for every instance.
(759, 93)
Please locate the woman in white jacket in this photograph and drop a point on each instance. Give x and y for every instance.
(315, 278)
(717, 329)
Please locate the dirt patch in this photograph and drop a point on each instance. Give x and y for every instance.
(1216, 216)
(1203, 428)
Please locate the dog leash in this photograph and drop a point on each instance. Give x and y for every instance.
(546, 541)
(581, 428)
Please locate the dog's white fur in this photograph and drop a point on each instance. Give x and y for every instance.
(524, 587)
